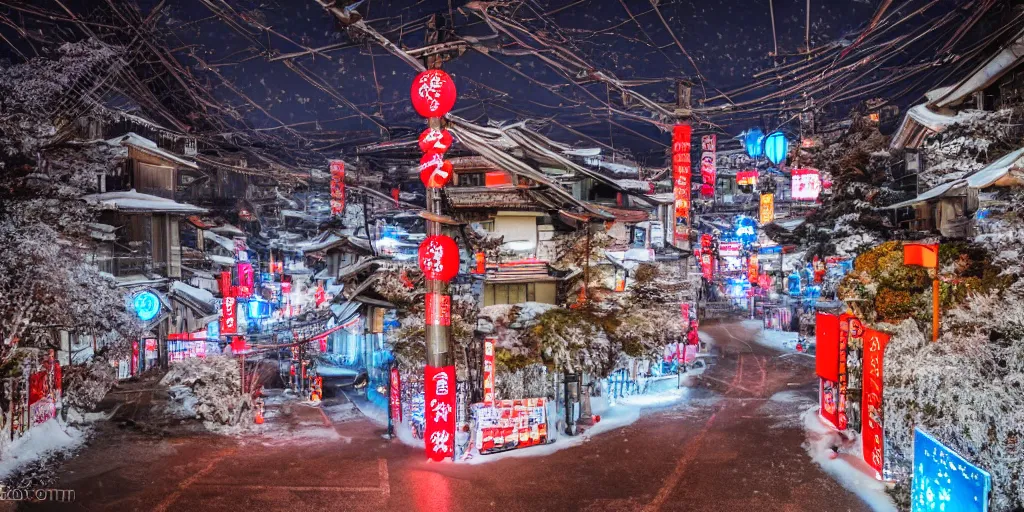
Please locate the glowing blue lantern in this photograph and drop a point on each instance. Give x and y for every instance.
(146, 305)
(794, 284)
(746, 230)
(775, 147)
(753, 142)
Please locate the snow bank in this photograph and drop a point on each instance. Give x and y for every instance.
(782, 341)
(40, 441)
(848, 468)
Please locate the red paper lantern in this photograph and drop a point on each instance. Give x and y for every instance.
(433, 140)
(433, 93)
(439, 258)
(435, 171)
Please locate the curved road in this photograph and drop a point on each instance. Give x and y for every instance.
(734, 444)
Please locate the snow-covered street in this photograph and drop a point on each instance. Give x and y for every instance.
(733, 442)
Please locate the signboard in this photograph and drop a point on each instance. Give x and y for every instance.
(228, 318)
(746, 230)
(767, 209)
(943, 480)
(510, 424)
(806, 184)
(146, 305)
(845, 320)
(489, 370)
(707, 164)
(871, 401)
(395, 398)
(246, 280)
(706, 264)
(730, 249)
(829, 402)
(746, 178)
(439, 412)
(337, 187)
(752, 269)
(681, 181)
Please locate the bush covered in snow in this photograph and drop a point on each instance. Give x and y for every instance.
(216, 390)
(882, 289)
(86, 384)
(967, 390)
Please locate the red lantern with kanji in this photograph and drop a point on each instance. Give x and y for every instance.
(435, 171)
(439, 258)
(433, 93)
(433, 140)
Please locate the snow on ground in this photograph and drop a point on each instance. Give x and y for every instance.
(848, 468)
(782, 341)
(782, 407)
(40, 441)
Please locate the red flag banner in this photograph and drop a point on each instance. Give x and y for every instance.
(395, 400)
(439, 412)
(489, 371)
(438, 309)
(681, 180)
(921, 255)
(707, 164)
(337, 187)
(826, 340)
(871, 404)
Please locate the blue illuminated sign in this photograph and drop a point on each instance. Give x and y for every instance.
(944, 480)
(794, 284)
(746, 230)
(775, 147)
(259, 309)
(753, 142)
(146, 305)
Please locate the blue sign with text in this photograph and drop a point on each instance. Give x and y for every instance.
(944, 481)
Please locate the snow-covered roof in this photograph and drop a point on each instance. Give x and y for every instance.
(139, 142)
(984, 177)
(222, 260)
(220, 240)
(134, 202)
(331, 239)
(929, 118)
(635, 185)
(589, 152)
(992, 172)
(228, 229)
(619, 169)
(203, 298)
(986, 74)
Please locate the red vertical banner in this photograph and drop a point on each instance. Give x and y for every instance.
(708, 172)
(752, 269)
(439, 309)
(685, 307)
(826, 346)
(395, 399)
(224, 281)
(337, 187)
(481, 263)
(681, 180)
(228, 318)
(320, 295)
(871, 400)
(844, 339)
(246, 280)
(489, 371)
(707, 264)
(439, 412)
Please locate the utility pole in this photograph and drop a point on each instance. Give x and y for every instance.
(437, 336)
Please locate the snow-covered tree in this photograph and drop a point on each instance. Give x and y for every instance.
(965, 389)
(45, 283)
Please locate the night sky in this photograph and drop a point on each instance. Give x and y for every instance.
(729, 41)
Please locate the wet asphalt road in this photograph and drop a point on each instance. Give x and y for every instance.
(729, 446)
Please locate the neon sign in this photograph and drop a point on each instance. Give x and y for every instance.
(146, 305)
